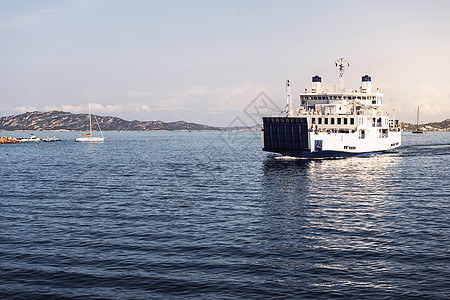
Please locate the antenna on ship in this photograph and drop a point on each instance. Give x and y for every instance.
(288, 108)
(342, 63)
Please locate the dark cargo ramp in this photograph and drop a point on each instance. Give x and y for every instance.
(285, 135)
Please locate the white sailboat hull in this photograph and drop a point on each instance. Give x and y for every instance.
(90, 139)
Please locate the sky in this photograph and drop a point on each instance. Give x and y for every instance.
(208, 61)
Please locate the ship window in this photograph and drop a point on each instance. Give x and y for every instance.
(339, 121)
(362, 134)
(326, 120)
(313, 120)
(345, 121)
(374, 101)
(332, 121)
(319, 120)
(352, 121)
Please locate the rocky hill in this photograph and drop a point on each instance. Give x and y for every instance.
(60, 120)
(433, 126)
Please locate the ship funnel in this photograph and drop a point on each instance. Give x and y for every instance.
(366, 84)
(316, 84)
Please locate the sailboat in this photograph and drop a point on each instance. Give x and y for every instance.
(89, 137)
(417, 123)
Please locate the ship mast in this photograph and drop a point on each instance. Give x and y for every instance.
(288, 108)
(342, 63)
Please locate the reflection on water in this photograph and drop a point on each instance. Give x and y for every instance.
(349, 182)
(334, 213)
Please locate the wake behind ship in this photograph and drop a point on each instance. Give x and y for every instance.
(332, 123)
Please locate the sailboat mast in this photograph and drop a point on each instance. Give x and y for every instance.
(417, 122)
(90, 119)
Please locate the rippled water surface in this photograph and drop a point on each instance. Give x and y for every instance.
(209, 215)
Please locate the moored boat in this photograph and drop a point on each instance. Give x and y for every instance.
(88, 137)
(417, 130)
(32, 138)
(53, 139)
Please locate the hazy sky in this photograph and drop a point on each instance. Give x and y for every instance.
(205, 61)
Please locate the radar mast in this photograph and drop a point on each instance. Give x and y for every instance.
(288, 108)
(342, 63)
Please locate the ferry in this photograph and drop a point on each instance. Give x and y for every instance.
(332, 123)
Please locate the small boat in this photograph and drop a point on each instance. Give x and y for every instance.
(88, 137)
(53, 139)
(417, 123)
(32, 138)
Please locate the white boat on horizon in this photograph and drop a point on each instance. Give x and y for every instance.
(89, 137)
(51, 139)
(32, 138)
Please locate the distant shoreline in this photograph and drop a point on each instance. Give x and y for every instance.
(60, 121)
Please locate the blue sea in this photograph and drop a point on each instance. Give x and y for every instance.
(179, 215)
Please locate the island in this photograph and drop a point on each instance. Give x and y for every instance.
(66, 121)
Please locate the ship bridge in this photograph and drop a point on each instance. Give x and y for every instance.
(318, 97)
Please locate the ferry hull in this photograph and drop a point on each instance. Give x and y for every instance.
(291, 137)
(328, 154)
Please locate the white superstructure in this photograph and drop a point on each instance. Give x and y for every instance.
(338, 121)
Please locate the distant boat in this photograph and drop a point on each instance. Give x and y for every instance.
(89, 137)
(53, 139)
(417, 123)
(32, 138)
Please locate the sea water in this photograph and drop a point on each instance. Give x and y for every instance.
(209, 215)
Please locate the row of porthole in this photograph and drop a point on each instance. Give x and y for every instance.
(338, 98)
(332, 121)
